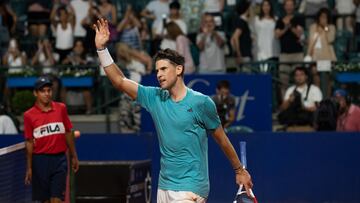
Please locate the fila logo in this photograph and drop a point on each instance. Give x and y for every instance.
(49, 129)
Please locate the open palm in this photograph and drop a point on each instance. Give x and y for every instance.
(102, 36)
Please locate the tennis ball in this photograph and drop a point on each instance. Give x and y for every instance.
(77, 133)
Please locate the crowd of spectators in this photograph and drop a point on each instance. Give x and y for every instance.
(286, 31)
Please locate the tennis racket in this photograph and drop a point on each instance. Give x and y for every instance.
(241, 196)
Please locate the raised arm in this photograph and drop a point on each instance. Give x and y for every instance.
(242, 175)
(112, 71)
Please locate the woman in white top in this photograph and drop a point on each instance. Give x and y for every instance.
(266, 44)
(13, 57)
(182, 45)
(64, 30)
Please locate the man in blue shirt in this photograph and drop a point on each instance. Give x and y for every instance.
(182, 118)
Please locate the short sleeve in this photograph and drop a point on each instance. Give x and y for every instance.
(145, 96)
(66, 121)
(288, 93)
(28, 128)
(209, 115)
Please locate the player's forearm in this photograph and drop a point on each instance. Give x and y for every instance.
(29, 153)
(228, 149)
(71, 144)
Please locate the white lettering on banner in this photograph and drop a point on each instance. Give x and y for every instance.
(193, 82)
(241, 103)
(49, 129)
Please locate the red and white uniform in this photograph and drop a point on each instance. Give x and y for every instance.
(47, 128)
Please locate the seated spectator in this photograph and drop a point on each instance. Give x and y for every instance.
(46, 58)
(137, 64)
(211, 44)
(326, 115)
(241, 41)
(182, 45)
(129, 29)
(225, 103)
(63, 29)
(345, 7)
(38, 16)
(300, 100)
(79, 57)
(7, 124)
(8, 17)
(14, 58)
(349, 113)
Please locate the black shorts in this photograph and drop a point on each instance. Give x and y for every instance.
(49, 173)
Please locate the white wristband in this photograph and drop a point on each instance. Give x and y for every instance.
(105, 58)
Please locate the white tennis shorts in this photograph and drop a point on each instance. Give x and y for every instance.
(169, 196)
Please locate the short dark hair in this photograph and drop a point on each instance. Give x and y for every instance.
(223, 84)
(242, 7)
(173, 56)
(302, 69)
(175, 5)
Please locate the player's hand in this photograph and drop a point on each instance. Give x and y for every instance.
(243, 178)
(102, 36)
(75, 164)
(28, 176)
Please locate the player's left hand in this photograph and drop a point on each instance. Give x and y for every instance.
(243, 178)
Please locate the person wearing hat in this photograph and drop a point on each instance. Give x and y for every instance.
(349, 114)
(47, 131)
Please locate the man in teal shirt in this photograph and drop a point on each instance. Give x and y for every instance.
(182, 118)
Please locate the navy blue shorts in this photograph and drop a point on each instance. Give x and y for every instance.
(48, 176)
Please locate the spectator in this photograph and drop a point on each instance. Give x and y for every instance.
(80, 8)
(322, 35)
(64, 30)
(225, 103)
(8, 17)
(345, 7)
(289, 30)
(14, 58)
(215, 8)
(87, 23)
(129, 29)
(211, 44)
(7, 125)
(267, 46)
(155, 11)
(326, 115)
(137, 64)
(38, 15)
(241, 41)
(46, 58)
(349, 113)
(108, 11)
(310, 7)
(174, 16)
(78, 57)
(300, 100)
(182, 45)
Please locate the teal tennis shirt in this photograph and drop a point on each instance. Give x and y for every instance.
(182, 132)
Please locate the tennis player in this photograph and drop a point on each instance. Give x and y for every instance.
(47, 131)
(182, 118)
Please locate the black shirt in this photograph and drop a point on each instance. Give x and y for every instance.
(245, 38)
(289, 42)
(223, 106)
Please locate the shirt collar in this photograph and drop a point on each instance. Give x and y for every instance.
(41, 110)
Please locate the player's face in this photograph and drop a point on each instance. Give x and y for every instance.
(44, 95)
(167, 73)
